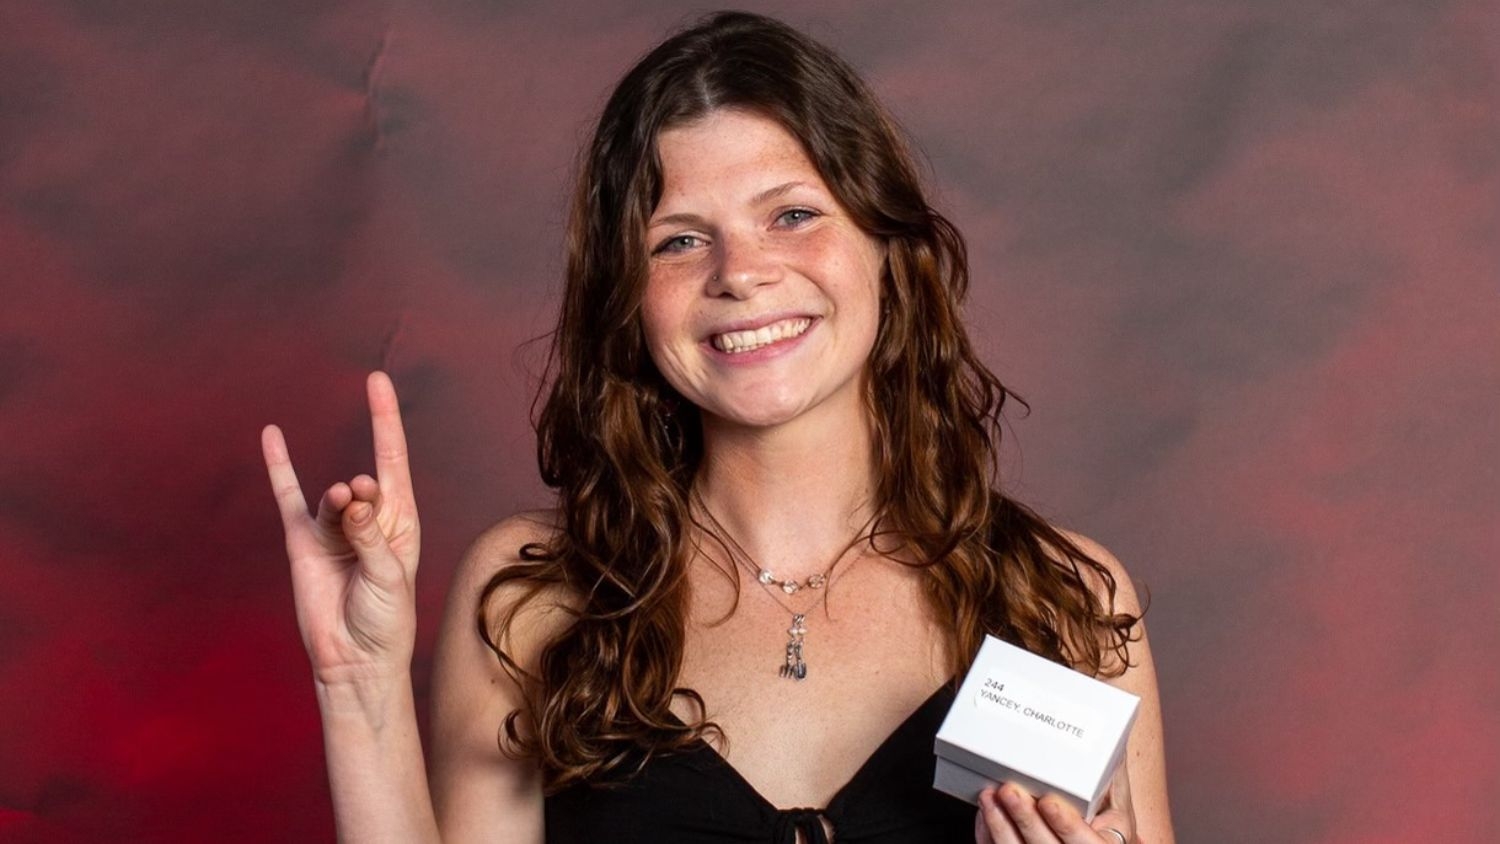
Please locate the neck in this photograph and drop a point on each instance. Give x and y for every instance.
(793, 496)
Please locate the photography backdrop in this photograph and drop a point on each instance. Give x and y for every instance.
(1240, 258)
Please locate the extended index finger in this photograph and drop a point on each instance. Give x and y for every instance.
(391, 466)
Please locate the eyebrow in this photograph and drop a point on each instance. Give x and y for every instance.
(764, 196)
(773, 193)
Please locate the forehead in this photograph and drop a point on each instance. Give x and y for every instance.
(728, 149)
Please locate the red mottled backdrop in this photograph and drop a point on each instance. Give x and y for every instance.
(1240, 257)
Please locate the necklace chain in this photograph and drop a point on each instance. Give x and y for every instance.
(794, 666)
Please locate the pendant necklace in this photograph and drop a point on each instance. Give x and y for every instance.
(794, 666)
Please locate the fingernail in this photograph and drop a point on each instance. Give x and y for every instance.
(359, 512)
(1050, 807)
(1011, 795)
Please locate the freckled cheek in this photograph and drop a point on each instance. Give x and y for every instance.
(847, 273)
(837, 252)
(676, 362)
(666, 324)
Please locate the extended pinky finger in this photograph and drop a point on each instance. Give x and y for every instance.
(283, 477)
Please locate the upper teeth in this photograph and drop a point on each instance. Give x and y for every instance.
(744, 341)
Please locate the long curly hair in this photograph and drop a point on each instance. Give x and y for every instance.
(621, 448)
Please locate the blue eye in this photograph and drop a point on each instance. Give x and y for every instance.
(680, 243)
(796, 216)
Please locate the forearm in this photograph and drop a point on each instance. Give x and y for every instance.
(375, 767)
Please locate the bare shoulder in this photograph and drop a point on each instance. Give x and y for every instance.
(1146, 755)
(1126, 599)
(500, 544)
(480, 792)
(538, 613)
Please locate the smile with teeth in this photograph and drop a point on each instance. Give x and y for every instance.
(735, 342)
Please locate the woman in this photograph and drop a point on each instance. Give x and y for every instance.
(776, 533)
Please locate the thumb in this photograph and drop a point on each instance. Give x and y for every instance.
(376, 559)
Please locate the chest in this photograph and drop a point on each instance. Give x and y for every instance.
(873, 653)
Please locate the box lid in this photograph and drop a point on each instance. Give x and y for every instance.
(1016, 711)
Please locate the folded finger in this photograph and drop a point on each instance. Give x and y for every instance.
(1112, 826)
(1025, 813)
(331, 506)
(364, 487)
(996, 823)
(1063, 819)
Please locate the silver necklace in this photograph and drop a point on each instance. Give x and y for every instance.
(794, 666)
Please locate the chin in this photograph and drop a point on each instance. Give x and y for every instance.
(775, 406)
(757, 420)
(760, 415)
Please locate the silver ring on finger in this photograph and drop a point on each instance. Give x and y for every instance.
(1118, 834)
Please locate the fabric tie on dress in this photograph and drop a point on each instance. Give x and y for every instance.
(807, 821)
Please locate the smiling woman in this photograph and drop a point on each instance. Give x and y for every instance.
(773, 450)
(761, 303)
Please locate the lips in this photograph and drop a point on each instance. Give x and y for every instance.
(738, 342)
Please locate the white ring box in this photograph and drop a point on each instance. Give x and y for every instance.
(1024, 719)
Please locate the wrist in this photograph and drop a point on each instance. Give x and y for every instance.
(374, 698)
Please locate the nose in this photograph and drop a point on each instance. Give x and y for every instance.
(744, 264)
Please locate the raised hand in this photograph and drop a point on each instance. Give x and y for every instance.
(1009, 815)
(354, 563)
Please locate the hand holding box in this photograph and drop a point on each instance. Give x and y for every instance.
(1024, 719)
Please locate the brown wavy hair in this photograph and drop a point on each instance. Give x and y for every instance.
(621, 448)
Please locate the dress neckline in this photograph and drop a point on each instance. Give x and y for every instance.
(941, 696)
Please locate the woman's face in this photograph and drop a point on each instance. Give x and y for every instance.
(763, 297)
